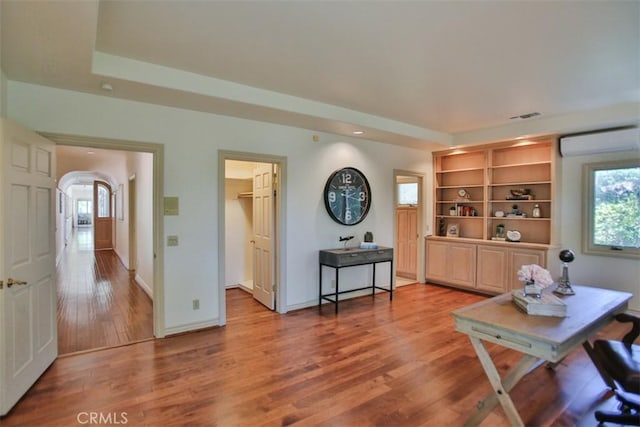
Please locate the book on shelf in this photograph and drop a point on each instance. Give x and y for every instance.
(547, 305)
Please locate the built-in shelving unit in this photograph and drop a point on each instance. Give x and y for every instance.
(473, 192)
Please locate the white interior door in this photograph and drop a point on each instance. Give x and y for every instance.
(28, 334)
(263, 259)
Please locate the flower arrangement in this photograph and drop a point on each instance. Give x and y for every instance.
(536, 274)
(535, 279)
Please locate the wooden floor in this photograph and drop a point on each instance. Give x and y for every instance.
(374, 364)
(99, 302)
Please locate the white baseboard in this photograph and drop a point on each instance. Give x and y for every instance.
(145, 287)
(123, 261)
(188, 327)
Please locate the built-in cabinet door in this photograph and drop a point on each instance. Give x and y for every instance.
(492, 268)
(407, 241)
(436, 268)
(520, 257)
(462, 264)
(453, 263)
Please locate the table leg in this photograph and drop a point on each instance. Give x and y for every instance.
(373, 283)
(320, 290)
(501, 387)
(391, 281)
(337, 286)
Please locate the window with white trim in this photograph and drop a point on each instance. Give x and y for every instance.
(612, 223)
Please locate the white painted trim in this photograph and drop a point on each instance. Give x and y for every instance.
(191, 327)
(144, 285)
(281, 203)
(158, 221)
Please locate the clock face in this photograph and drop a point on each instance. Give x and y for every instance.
(347, 196)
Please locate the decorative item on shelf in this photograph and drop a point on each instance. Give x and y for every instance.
(442, 229)
(520, 194)
(465, 211)
(564, 285)
(499, 233)
(453, 230)
(536, 211)
(516, 213)
(513, 236)
(499, 214)
(368, 236)
(535, 279)
(463, 196)
(453, 211)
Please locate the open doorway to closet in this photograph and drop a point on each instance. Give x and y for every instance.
(250, 229)
(251, 223)
(408, 214)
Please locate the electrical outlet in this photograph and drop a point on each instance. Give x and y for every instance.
(333, 283)
(196, 304)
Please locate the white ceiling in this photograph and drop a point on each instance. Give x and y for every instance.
(415, 73)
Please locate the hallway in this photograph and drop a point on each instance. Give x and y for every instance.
(99, 303)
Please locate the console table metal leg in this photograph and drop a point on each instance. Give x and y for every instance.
(337, 286)
(373, 283)
(320, 290)
(391, 280)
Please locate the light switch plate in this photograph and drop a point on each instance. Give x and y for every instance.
(172, 240)
(171, 206)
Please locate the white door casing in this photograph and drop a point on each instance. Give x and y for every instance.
(263, 259)
(28, 334)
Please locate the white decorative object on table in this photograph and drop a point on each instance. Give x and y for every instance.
(535, 279)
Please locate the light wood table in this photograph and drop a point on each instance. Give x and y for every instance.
(540, 338)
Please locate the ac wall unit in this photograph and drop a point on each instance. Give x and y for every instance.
(600, 142)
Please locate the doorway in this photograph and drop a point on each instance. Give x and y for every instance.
(121, 305)
(251, 222)
(250, 225)
(408, 223)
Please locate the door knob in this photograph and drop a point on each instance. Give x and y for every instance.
(11, 282)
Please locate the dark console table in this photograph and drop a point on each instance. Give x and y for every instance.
(351, 257)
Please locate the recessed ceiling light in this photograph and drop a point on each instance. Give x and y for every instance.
(106, 86)
(358, 132)
(91, 152)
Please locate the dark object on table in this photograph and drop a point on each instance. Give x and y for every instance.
(564, 285)
(621, 361)
(368, 236)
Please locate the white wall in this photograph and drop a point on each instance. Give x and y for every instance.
(238, 232)
(3, 94)
(607, 272)
(192, 140)
(141, 165)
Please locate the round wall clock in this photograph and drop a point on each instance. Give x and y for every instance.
(347, 196)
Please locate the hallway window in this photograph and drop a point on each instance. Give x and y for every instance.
(103, 202)
(408, 193)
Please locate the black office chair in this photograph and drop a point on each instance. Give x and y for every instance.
(621, 361)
